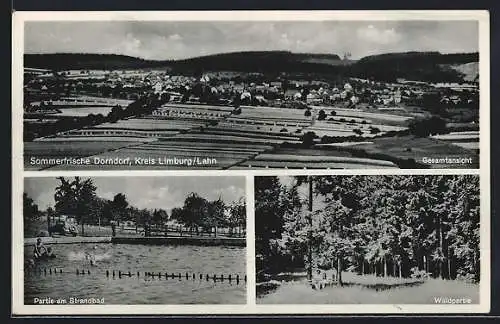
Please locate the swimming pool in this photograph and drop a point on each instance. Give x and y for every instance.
(98, 281)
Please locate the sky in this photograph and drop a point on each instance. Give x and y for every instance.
(163, 40)
(146, 192)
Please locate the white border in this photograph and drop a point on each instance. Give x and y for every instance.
(18, 307)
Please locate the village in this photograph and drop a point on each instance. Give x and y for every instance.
(251, 120)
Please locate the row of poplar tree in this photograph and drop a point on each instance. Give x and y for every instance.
(402, 226)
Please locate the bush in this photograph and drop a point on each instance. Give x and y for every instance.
(333, 113)
(374, 130)
(284, 130)
(237, 111)
(419, 274)
(308, 139)
(307, 113)
(321, 115)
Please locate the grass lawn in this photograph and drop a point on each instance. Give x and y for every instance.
(356, 291)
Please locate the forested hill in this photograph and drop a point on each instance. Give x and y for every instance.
(258, 61)
(424, 66)
(67, 61)
(264, 61)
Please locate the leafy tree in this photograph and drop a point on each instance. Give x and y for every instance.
(75, 198)
(30, 214)
(429, 126)
(119, 206)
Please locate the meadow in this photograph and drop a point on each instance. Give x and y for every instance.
(359, 290)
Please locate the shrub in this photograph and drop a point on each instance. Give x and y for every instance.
(321, 115)
(284, 130)
(333, 113)
(358, 131)
(374, 130)
(307, 113)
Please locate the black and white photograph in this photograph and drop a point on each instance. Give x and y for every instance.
(134, 240)
(412, 239)
(209, 94)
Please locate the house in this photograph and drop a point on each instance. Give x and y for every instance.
(292, 94)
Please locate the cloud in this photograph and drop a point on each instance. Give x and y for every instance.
(373, 34)
(175, 37)
(183, 39)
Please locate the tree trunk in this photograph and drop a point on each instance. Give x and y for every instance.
(339, 270)
(399, 266)
(385, 265)
(363, 266)
(450, 254)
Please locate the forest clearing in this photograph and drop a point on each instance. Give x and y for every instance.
(367, 239)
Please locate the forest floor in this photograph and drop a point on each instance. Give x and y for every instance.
(369, 289)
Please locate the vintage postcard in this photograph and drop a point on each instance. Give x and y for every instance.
(251, 162)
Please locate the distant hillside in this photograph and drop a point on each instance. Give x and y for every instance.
(425, 66)
(428, 66)
(66, 61)
(262, 61)
(470, 70)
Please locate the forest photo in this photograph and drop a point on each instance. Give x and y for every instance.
(367, 239)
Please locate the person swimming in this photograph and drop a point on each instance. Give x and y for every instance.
(40, 250)
(91, 257)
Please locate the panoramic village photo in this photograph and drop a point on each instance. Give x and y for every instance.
(367, 239)
(120, 95)
(134, 240)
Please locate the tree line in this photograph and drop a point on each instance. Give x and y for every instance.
(77, 197)
(144, 105)
(401, 226)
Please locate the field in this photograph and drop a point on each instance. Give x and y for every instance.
(82, 111)
(357, 290)
(467, 139)
(408, 148)
(295, 158)
(259, 137)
